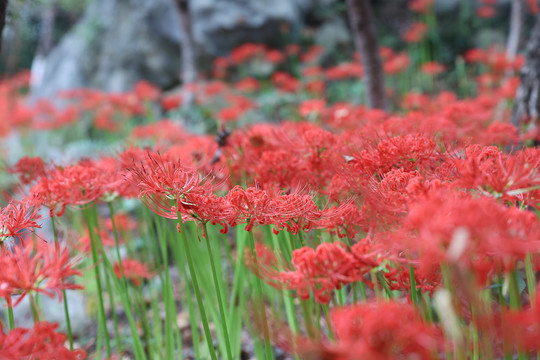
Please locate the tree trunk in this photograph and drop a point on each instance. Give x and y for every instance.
(46, 33)
(365, 39)
(3, 12)
(189, 70)
(45, 42)
(514, 34)
(527, 104)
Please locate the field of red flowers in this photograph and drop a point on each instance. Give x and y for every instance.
(310, 227)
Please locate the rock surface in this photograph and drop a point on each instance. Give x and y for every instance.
(53, 311)
(119, 42)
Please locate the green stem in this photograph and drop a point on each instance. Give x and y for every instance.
(170, 309)
(66, 307)
(193, 274)
(218, 292)
(120, 265)
(97, 273)
(122, 291)
(113, 312)
(11, 317)
(414, 294)
(259, 294)
(531, 278)
(35, 308)
(515, 302)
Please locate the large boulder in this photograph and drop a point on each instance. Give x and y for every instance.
(115, 44)
(119, 42)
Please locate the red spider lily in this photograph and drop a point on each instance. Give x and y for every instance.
(133, 270)
(258, 207)
(345, 220)
(41, 342)
(320, 271)
(17, 217)
(312, 71)
(312, 106)
(73, 185)
(81, 184)
(165, 130)
(416, 32)
(533, 6)
(312, 54)
(166, 185)
(229, 114)
(495, 59)
(501, 134)
(297, 212)
(285, 82)
(316, 87)
(410, 152)
(345, 71)
(123, 222)
(386, 201)
(248, 84)
(221, 62)
(421, 6)
(468, 231)
(274, 56)
(213, 209)
(399, 278)
(214, 88)
(396, 63)
(171, 102)
(146, 91)
(432, 68)
(84, 244)
(381, 331)
(485, 12)
(514, 178)
(245, 52)
(522, 327)
(415, 101)
(113, 179)
(28, 169)
(36, 267)
(292, 49)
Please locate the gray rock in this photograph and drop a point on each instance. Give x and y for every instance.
(53, 311)
(120, 42)
(333, 34)
(116, 44)
(221, 25)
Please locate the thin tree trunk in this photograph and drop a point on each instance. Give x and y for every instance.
(365, 39)
(3, 12)
(46, 42)
(189, 70)
(527, 104)
(46, 34)
(512, 46)
(514, 34)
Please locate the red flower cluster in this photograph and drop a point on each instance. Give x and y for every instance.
(41, 342)
(381, 331)
(133, 270)
(321, 270)
(39, 268)
(17, 217)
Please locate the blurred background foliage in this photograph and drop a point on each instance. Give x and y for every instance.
(324, 22)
